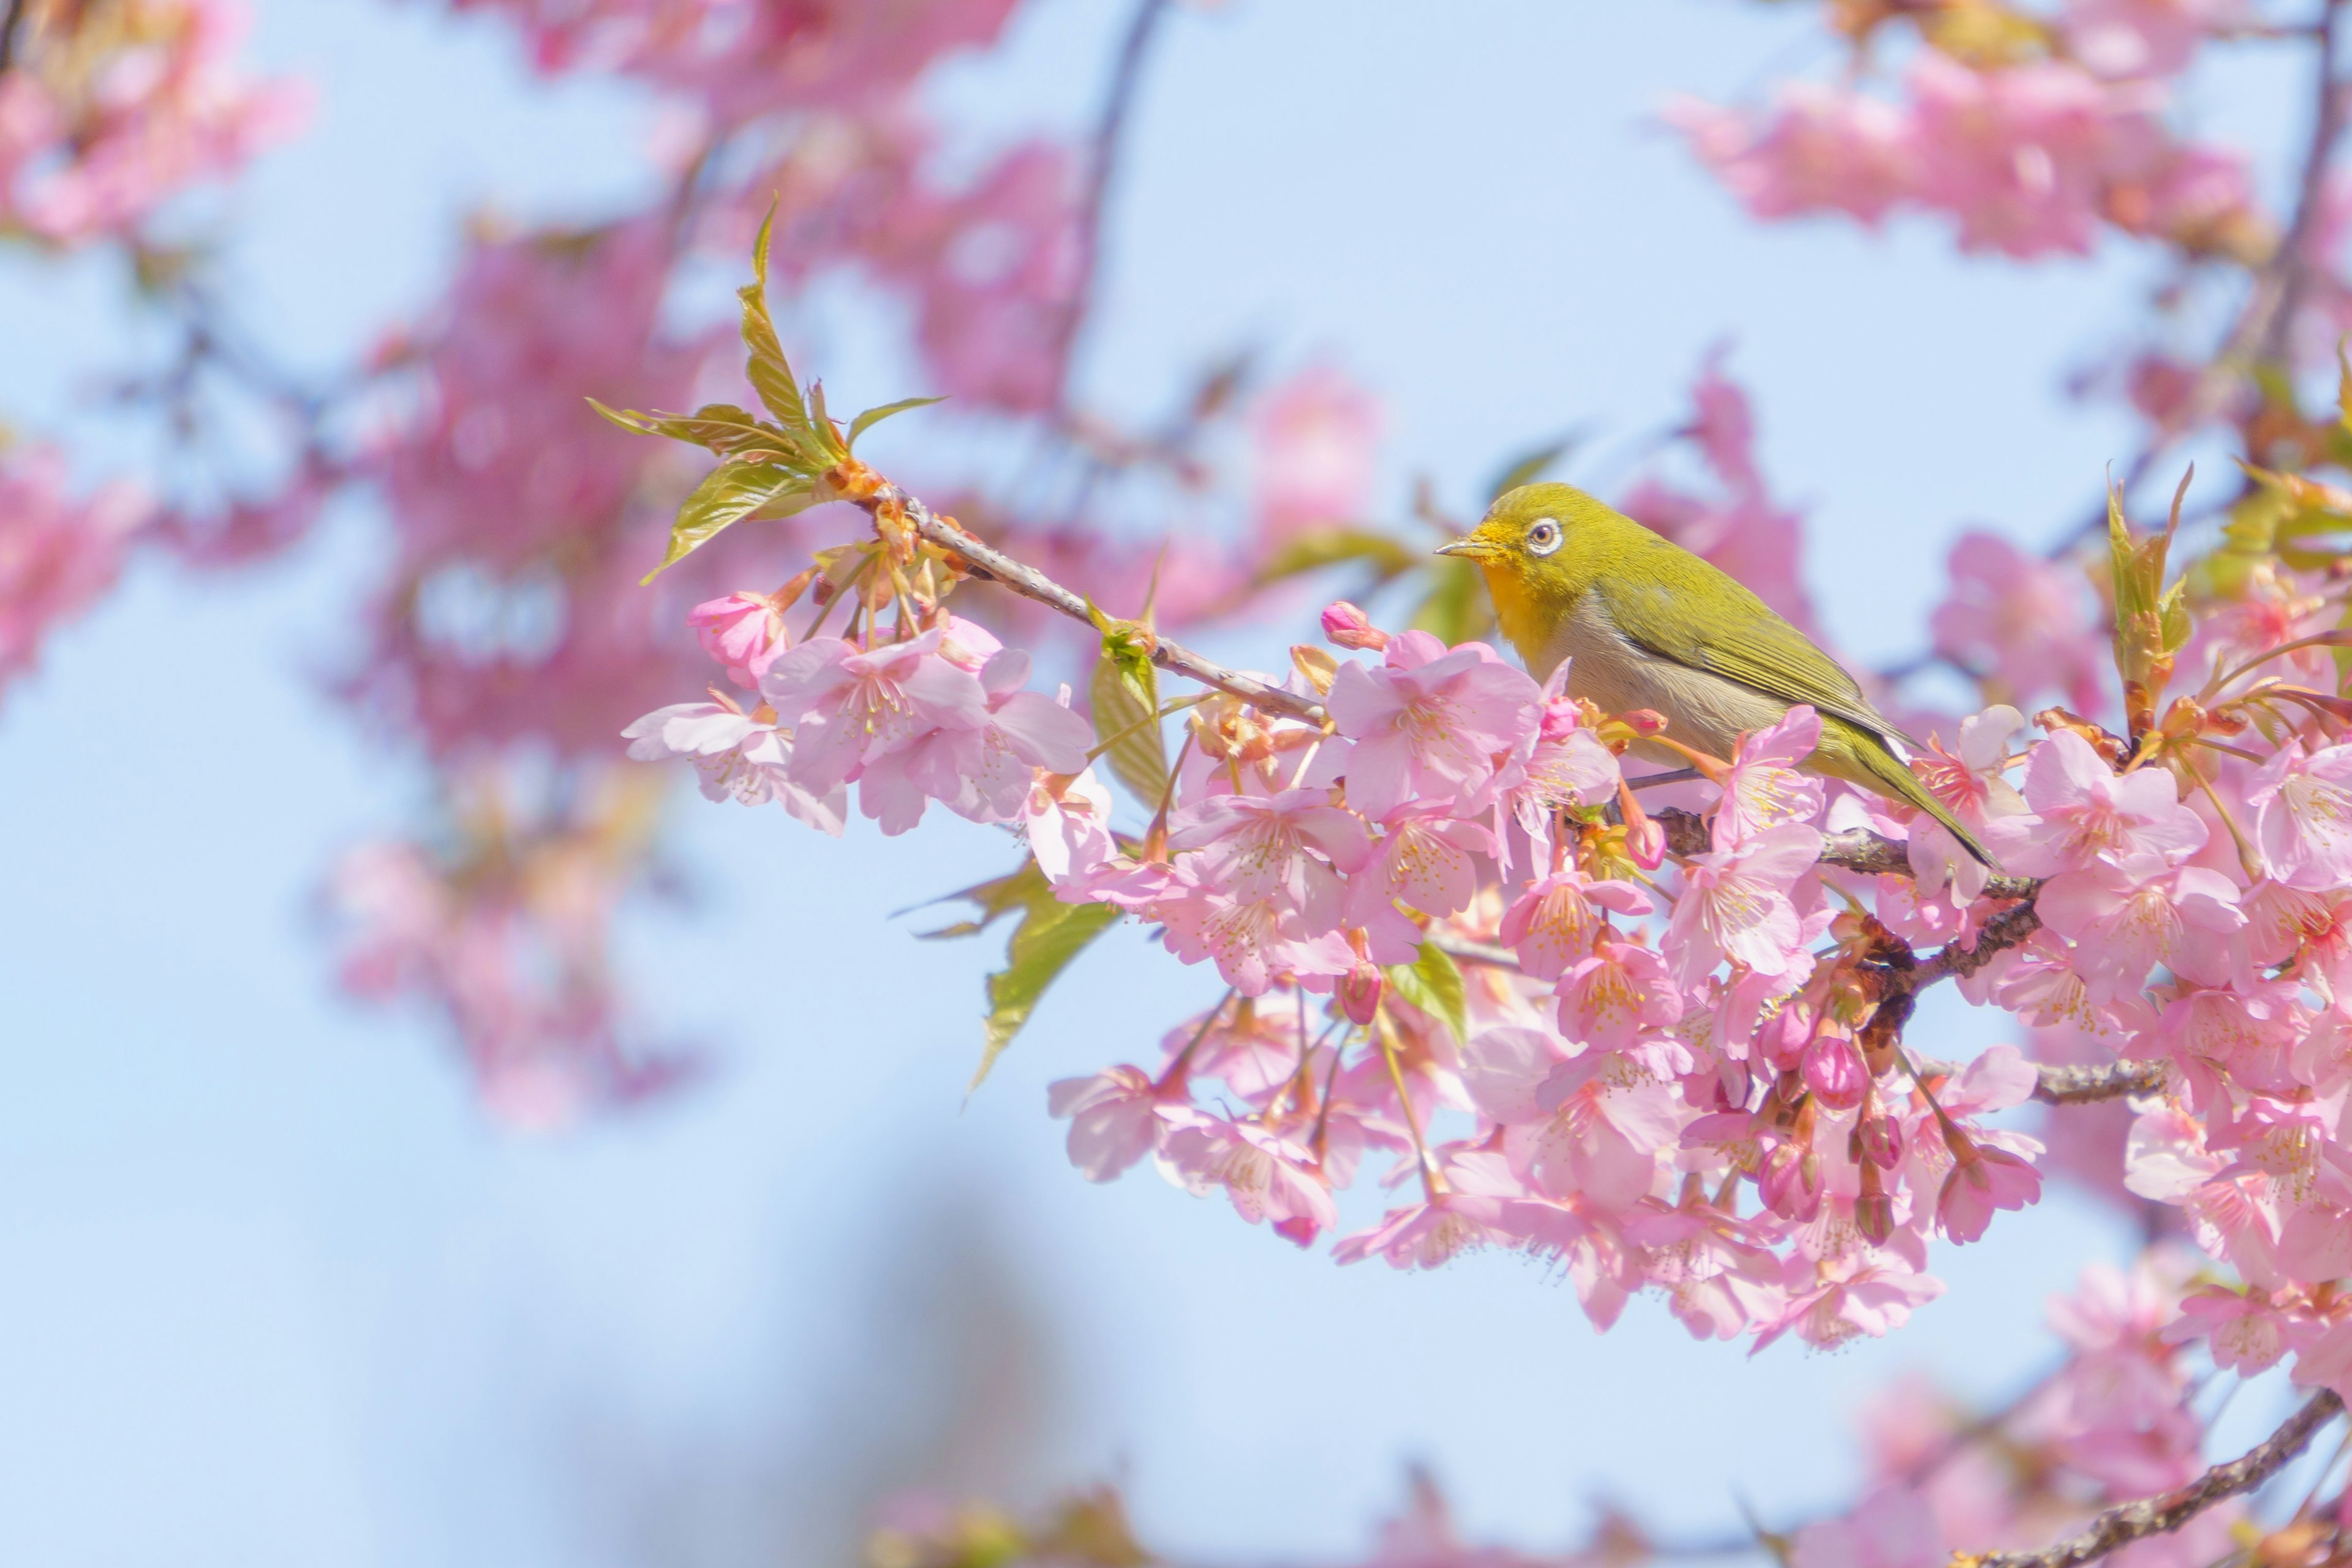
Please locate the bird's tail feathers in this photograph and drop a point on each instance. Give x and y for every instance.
(1899, 781)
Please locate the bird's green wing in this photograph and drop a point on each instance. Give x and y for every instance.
(1736, 636)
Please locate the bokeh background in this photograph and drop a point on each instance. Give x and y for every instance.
(273, 1289)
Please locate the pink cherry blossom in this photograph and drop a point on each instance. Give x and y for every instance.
(1115, 1119)
(1619, 996)
(1820, 149)
(1737, 905)
(1315, 438)
(1986, 1179)
(738, 758)
(1289, 848)
(744, 632)
(2083, 814)
(1554, 921)
(848, 706)
(2246, 1334)
(2022, 621)
(2305, 825)
(1266, 1176)
(1429, 721)
(1764, 789)
(1427, 860)
(57, 555)
(2123, 923)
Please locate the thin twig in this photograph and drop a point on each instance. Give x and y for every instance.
(2169, 1510)
(1033, 584)
(10, 25)
(1109, 138)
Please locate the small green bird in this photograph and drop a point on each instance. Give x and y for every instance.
(1647, 624)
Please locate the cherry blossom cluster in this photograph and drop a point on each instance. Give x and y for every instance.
(58, 552)
(110, 108)
(2031, 133)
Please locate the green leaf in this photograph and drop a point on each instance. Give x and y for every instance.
(722, 427)
(770, 372)
(1529, 466)
(873, 416)
(1432, 983)
(1050, 936)
(728, 494)
(1125, 693)
(1320, 547)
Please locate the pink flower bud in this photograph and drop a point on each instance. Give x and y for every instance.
(1645, 722)
(745, 632)
(1645, 841)
(1349, 627)
(1882, 1141)
(1790, 1182)
(1359, 994)
(1874, 1216)
(1833, 1070)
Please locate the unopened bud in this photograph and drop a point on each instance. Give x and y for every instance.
(1349, 627)
(1645, 722)
(1874, 1216)
(1790, 1182)
(1882, 1141)
(1834, 1071)
(1359, 994)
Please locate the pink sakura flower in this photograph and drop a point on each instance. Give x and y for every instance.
(738, 758)
(1764, 789)
(1254, 1051)
(1602, 1137)
(2246, 1034)
(1970, 782)
(2020, 155)
(1427, 860)
(2244, 1331)
(2305, 825)
(2083, 813)
(1554, 922)
(1985, 1179)
(1314, 440)
(2165, 1157)
(1115, 1119)
(1821, 149)
(745, 632)
(1255, 942)
(1737, 905)
(1834, 1070)
(1067, 824)
(1481, 1204)
(106, 116)
(1429, 721)
(1866, 1291)
(1620, 998)
(848, 707)
(1893, 1528)
(56, 555)
(2022, 621)
(2124, 39)
(982, 773)
(2123, 923)
(2324, 1357)
(1288, 847)
(1266, 1176)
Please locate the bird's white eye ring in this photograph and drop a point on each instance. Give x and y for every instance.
(1543, 536)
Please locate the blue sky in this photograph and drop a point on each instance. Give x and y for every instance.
(271, 1289)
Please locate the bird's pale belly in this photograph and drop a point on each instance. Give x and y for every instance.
(1703, 712)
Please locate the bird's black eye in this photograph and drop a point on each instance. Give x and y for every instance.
(1543, 536)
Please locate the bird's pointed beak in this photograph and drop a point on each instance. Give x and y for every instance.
(1476, 548)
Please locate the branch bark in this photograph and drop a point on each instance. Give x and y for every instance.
(2169, 1511)
(1109, 139)
(986, 560)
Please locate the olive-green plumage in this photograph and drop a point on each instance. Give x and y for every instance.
(1647, 624)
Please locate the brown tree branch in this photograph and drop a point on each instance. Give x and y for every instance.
(10, 25)
(985, 561)
(2169, 1511)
